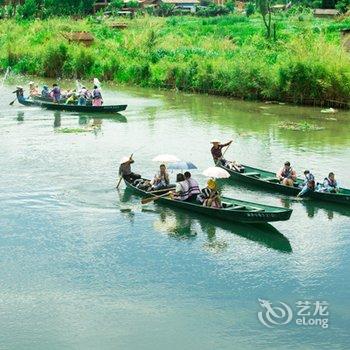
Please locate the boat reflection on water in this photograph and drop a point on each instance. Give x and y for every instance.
(20, 116)
(313, 208)
(182, 225)
(97, 118)
(57, 119)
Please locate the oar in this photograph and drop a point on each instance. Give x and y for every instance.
(11, 103)
(120, 180)
(154, 198)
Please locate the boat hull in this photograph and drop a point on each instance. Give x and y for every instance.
(258, 214)
(342, 197)
(75, 108)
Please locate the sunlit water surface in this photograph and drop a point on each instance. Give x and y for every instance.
(84, 266)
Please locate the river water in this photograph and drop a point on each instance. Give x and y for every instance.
(84, 266)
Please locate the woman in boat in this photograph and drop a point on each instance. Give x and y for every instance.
(161, 179)
(56, 93)
(287, 175)
(216, 151)
(308, 184)
(181, 189)
(209, 195)
(193, 187)
(329, 184)
(125, 170)
(97, 100)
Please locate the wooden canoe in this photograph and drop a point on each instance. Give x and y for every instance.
(234, 209)
(267, 180)
(74, 108)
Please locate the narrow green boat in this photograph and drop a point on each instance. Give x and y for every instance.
(267, 180)
(74, 108)
(233, 210)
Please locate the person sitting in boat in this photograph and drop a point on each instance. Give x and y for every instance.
(329, 184)
(161, 179)
(125, 170)
(193, 187)
(33, 89)
(209, 196)
(45, 92)
(308, 184)
(97, 100)
(181, 189)
(72, 97)
(287, 175)
(55, 93)
(216, 151)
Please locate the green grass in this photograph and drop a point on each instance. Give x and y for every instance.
(223, 55)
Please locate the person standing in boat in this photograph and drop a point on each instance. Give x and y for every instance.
(56, 93)
(20, 94)
(287, 175)
(97, 100)
(193, 186)
(125, 170)
(330, 184)
(216, 151)
(308, 184)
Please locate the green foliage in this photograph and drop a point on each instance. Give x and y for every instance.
(213, 10)
(250, 9)
(226, 55)
(343, 6)
(54, 60)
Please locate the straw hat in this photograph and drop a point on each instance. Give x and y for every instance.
(215, 141)
(211, 184)
(124, 160)
(19, 87)
(31, 83)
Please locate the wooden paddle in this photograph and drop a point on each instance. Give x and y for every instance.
(154, 198)
(11, 103)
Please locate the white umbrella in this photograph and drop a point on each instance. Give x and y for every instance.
(216, 173)
(166, 158)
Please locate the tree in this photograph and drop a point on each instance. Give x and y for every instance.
(266, 13)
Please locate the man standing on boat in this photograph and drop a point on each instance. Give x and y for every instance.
(125, 170)
(216, 151)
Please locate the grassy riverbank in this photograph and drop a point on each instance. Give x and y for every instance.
(222, 55)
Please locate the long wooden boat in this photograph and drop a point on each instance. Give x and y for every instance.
(40, 98)
(233, 209)
(74, 108)
(267, 180)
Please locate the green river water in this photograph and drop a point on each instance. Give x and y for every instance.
(84, 266)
